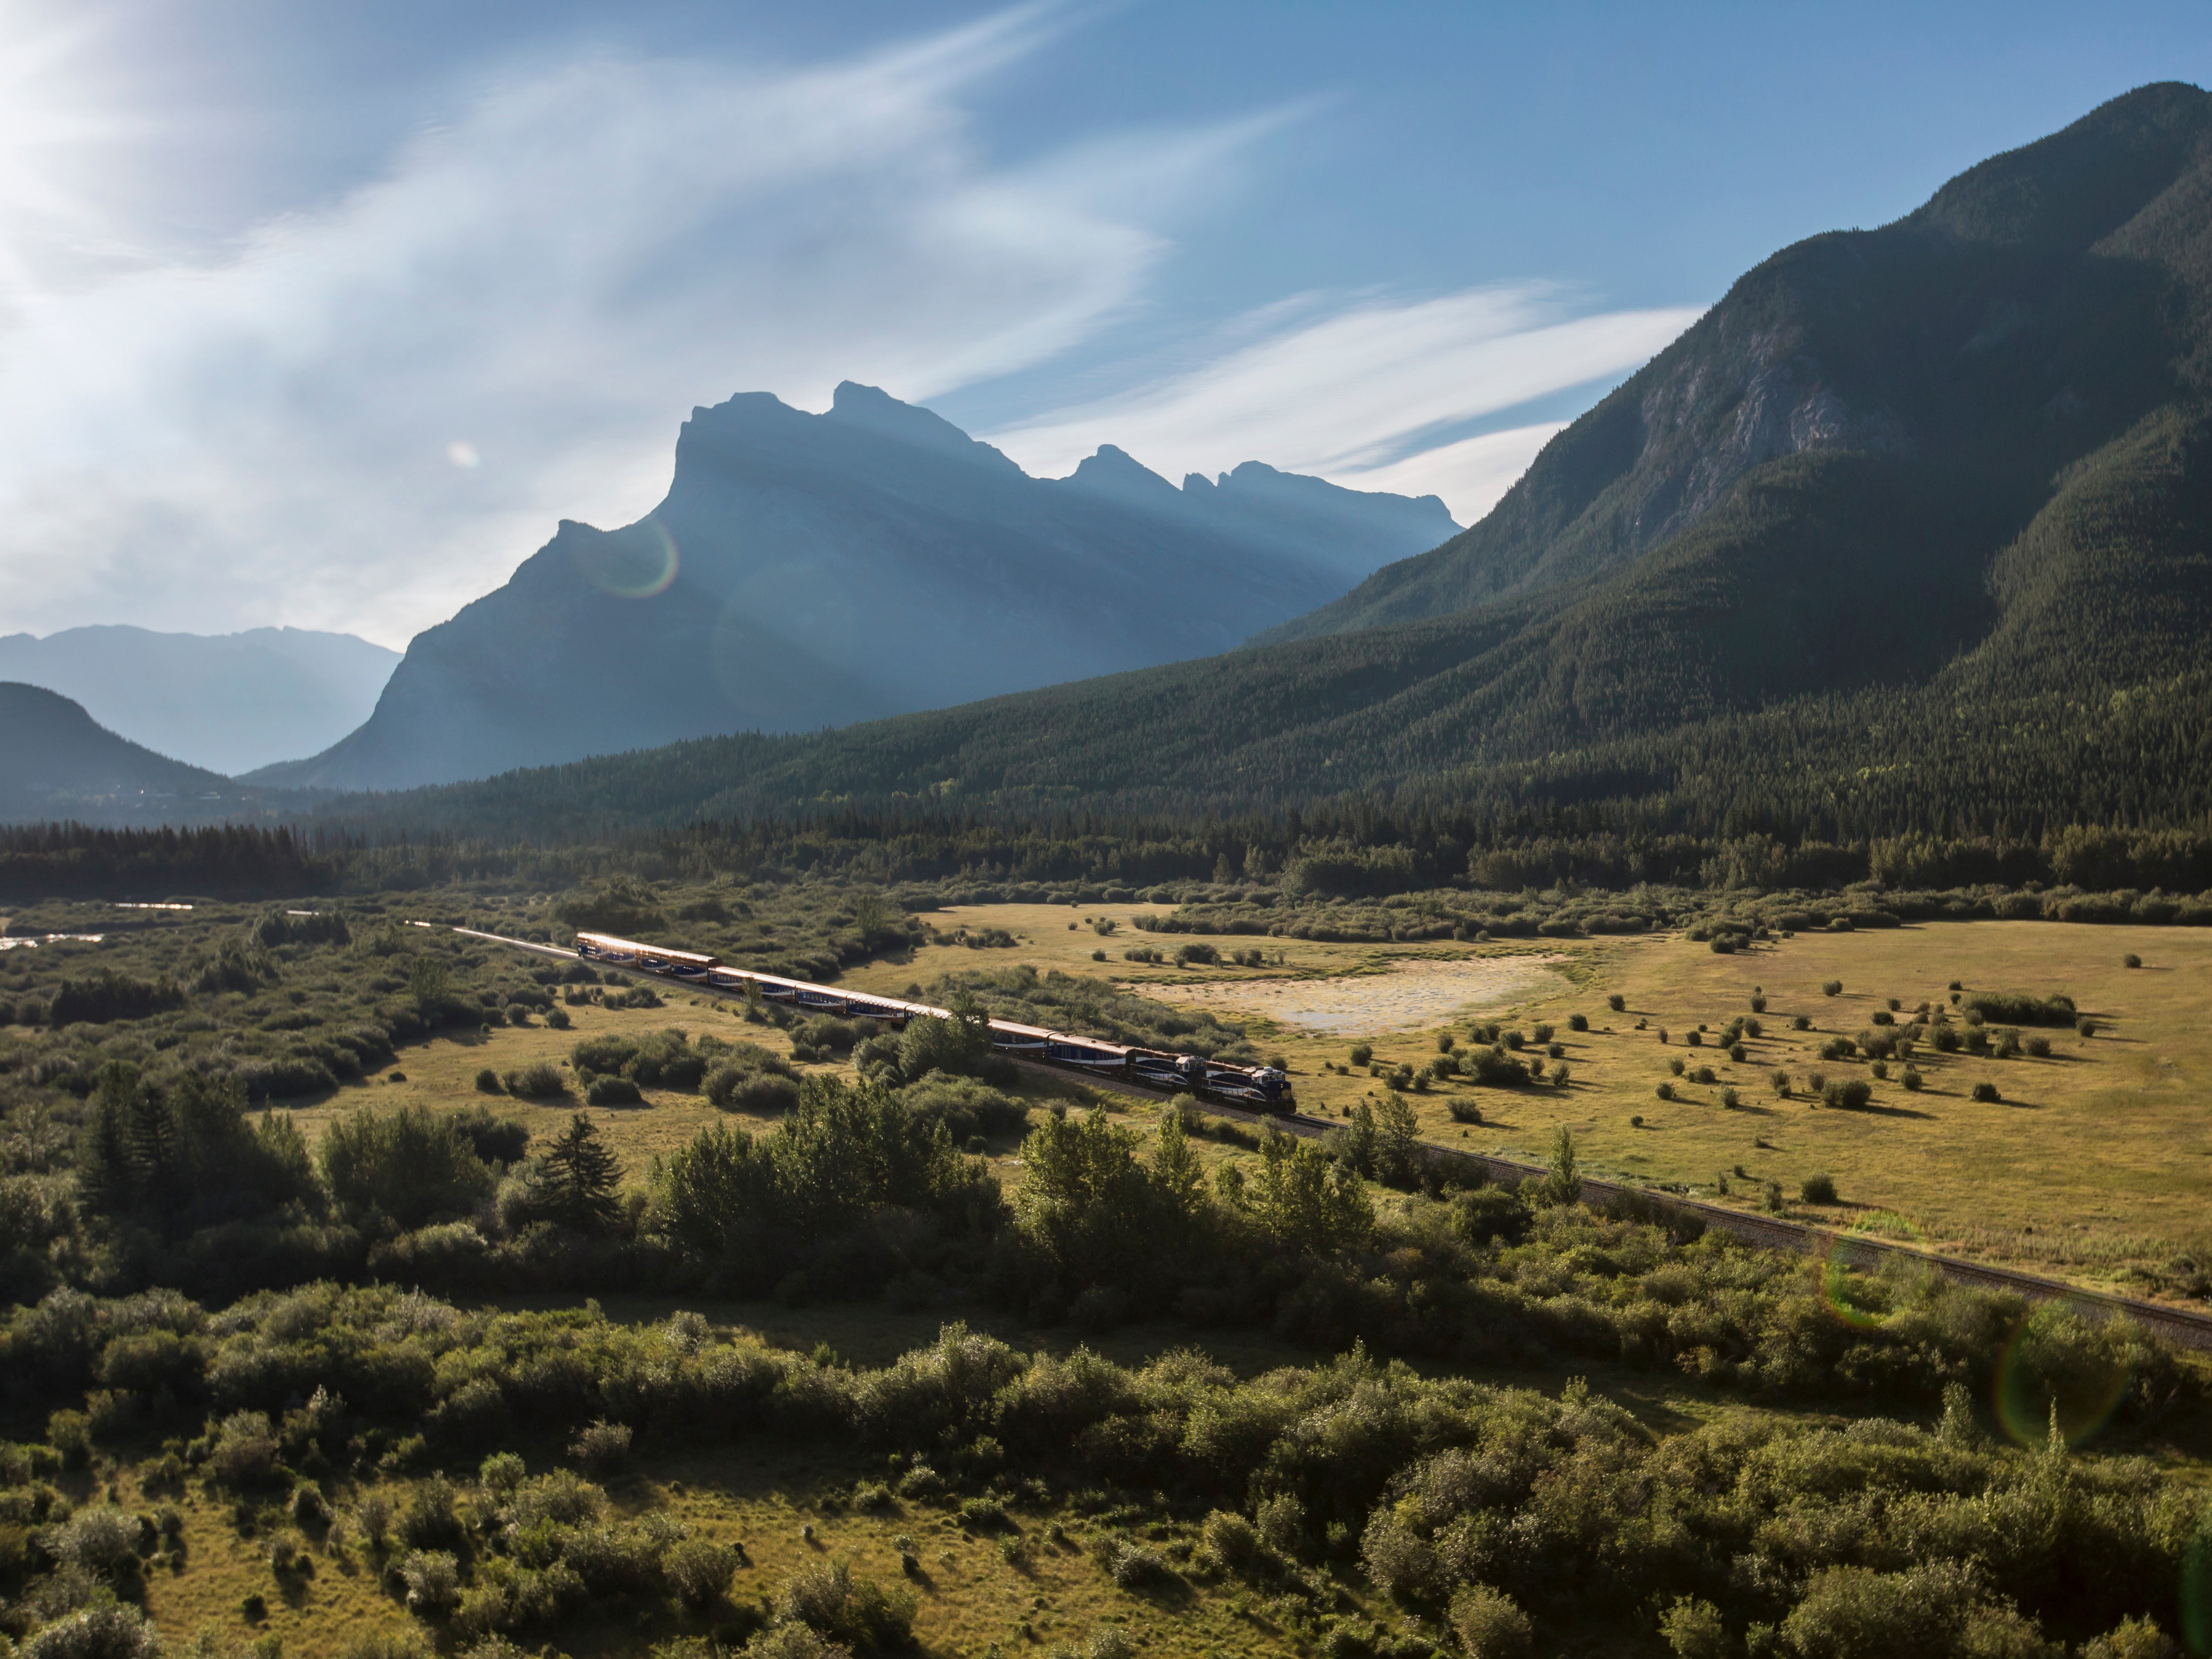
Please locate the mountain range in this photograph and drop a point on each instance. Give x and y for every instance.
(1911, 531)
(808, 571)
(225, 703)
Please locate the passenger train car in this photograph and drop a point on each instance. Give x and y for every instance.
(1262, 1088)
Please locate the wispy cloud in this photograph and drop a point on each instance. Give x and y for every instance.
(1365, 392)
(543, 287)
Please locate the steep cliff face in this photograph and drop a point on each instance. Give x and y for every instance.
(808, 571)
(2033, 310)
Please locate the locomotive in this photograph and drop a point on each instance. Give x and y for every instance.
(1259, 1088)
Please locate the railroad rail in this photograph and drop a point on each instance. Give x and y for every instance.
(2187, 1328)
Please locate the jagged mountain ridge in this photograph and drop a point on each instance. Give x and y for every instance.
(228, 703)
(2008, 327)
(808, 571)
(1980, 609)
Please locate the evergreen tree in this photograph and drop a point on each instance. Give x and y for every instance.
(107, 1179)
(577, 1181)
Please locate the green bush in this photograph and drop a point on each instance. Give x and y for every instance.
(1578, 1022)
(1987, 1093)
(540, 1081)
(1847, 1094)
(1617, 1002)
(612, 1091)
(1913, 1081)
(1818, 1189)
(1833, 987)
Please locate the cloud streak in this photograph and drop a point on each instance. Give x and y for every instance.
(544, 285)
(1358, 394)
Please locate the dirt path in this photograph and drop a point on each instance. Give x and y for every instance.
(1405, 996)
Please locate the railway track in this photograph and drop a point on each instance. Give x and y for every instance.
(2186, 1327)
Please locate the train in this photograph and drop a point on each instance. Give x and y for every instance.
(1260, 1088)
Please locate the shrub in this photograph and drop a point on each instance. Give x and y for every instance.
(1135, 1565)
(698, 1571)
(2038, 1046)
(1987, 1093)
(1731, 1100)
(487, 1081)
(1362, 1054)
(1635, 1120)
(1678, 1066)
(541, 1081)
(1780, 1082)
(107, 1630)
(602, 1445)
(1913, 1081)
(1738, 1053)
(1617, 1002)
(99, 1538)
(1758, 1002)
(1665, 1091)
(2021, 1008)
(1542, 1033)
(433, 1578)
(1695, 1039)
(2085, 1026)
(2131, 960)
(1465, 1111)
(1833, 987)
(1773, 1197)
(1847, 1094)
(834, 1602)
(1704, 1074)
(612, 1091)
(1489, 1624)
(1818, 1189)
(245, 1453)
(1800, 1023)
(1578, 1022)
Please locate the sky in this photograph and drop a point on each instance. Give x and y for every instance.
(325, 315)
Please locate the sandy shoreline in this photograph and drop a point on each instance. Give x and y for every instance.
(1405, 996)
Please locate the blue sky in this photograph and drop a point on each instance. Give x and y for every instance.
(323, 316)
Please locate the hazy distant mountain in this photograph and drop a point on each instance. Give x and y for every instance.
(226, 702)
(812, 571)
(56, 762)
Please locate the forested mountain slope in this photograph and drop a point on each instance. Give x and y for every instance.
(56, 761)
(2035, 309)
(812, 570)
(1846, 641)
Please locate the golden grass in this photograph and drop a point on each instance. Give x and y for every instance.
(2098, 1159)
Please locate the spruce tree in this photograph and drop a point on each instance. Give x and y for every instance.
(578, 1179)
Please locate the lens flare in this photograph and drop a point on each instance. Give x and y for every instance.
(636, 563)
(1863, 1286)
(2061, 1365)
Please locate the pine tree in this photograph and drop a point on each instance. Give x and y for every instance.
(106, 1177)
(577, 1181)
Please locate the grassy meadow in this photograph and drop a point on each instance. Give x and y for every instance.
(2097, 1160)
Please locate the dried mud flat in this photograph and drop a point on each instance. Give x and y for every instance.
(1405, 996)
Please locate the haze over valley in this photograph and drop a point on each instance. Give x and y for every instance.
(1391, 838)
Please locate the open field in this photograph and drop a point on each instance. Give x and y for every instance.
(2096, 1161)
